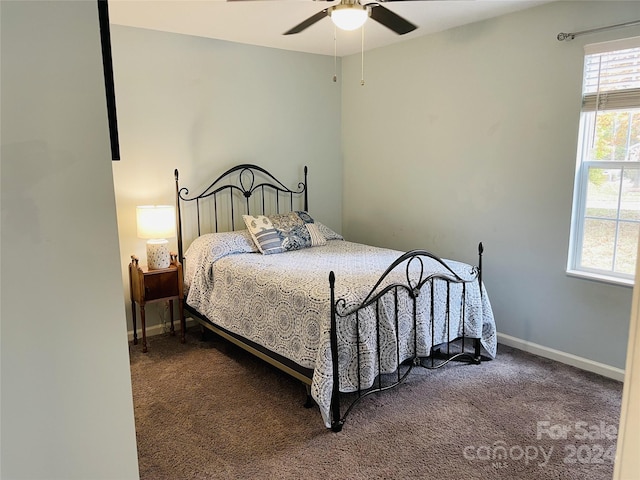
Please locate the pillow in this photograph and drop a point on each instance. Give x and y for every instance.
(210, 247)
(327, 233)
(283, 232)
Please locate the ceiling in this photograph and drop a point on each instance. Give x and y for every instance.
(262, 22)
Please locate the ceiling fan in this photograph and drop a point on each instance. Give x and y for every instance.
(352, 14)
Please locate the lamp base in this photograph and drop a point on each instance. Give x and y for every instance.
(158, 254)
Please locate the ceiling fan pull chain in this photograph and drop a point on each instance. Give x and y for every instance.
(362, 59)
(335, 55)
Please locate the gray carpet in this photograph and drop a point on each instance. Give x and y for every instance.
(207, 410)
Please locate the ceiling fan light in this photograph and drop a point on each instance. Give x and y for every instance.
(348, 17)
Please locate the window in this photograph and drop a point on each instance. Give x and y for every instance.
(606, 206)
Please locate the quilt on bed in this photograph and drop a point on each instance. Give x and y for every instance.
(282, 302)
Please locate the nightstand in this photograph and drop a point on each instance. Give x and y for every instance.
(147, 286)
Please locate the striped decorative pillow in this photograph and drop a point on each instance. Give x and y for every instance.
(283, 232)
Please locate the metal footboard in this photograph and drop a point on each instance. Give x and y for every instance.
(416, 282)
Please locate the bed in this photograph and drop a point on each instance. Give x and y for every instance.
(345, 319)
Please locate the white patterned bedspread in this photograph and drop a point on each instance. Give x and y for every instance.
(282, 303)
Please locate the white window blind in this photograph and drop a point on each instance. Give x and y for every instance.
(612, 80)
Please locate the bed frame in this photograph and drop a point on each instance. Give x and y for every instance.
(250, 189)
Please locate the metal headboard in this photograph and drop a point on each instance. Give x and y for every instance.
(216, 208)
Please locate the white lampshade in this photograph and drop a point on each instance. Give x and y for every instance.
(348, 17)
(156, 222)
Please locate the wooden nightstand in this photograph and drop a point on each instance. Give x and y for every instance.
(153, 286)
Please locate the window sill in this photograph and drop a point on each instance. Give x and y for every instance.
(624, 282)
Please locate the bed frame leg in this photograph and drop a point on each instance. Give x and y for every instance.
(309, 403)
(476, 341)
(336, 421)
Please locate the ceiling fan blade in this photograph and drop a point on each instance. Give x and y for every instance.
(391, 20)
(308, 22)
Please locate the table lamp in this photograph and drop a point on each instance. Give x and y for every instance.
(156, 222)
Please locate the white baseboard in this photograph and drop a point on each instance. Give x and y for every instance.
(160, 329)
(563, 357)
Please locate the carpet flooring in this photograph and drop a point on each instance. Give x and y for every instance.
(208, 410)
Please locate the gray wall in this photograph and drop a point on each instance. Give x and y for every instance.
(67, 409)
(202, 106)
(470, 135)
